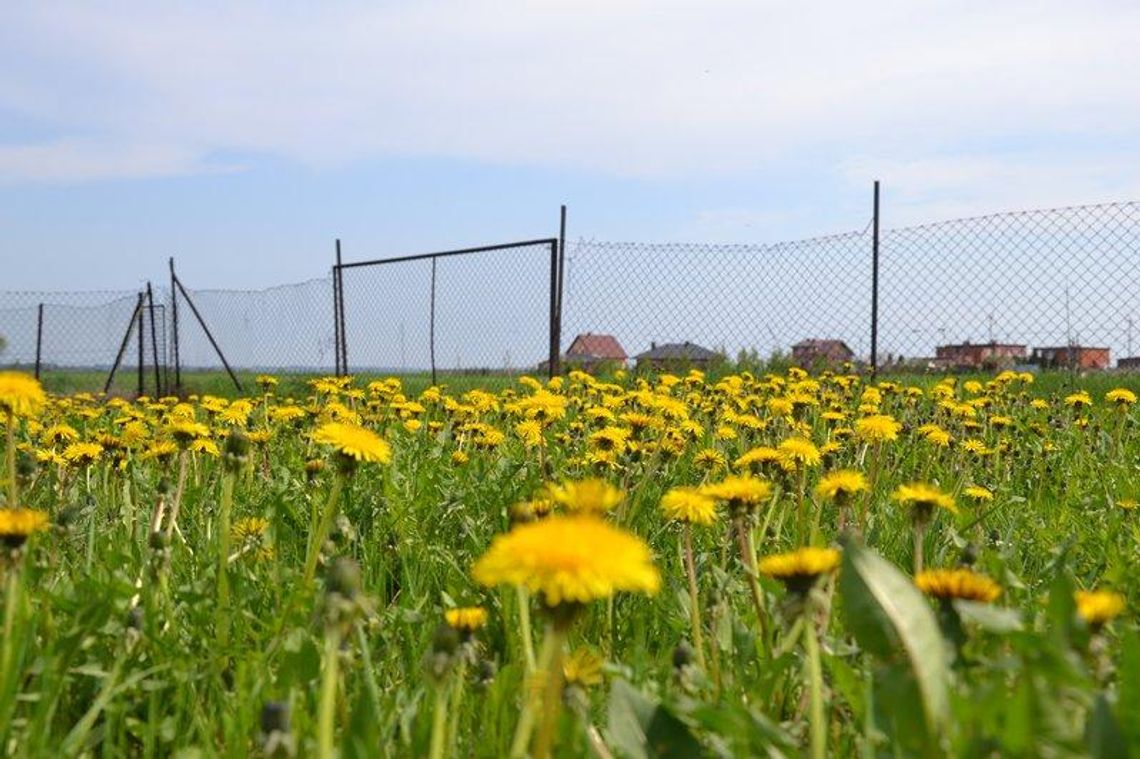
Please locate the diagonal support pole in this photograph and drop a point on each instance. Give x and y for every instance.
(209, 335)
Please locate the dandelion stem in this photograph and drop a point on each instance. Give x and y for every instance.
(10, 455)
(177, 506)
(551, 644)
(818, 720)
(524, 628)
(326, 708)
(223, 619)
(458, 683)
(919, 535)
(317, 538)
(552, 700)
(748, 556)
(694, 601)
(439, 723)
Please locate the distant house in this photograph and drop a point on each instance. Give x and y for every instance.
(1132, 363)
(1074, 356)
(812, 352)
(590, 350)
(979, 355)
(672, 356)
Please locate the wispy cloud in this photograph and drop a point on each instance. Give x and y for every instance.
(634, 88)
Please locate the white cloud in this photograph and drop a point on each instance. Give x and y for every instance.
(631, 87)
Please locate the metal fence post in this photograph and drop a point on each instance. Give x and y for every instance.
(561, 274)
(153, 340)
(431, 324)
(39, 337)
(174, 325)
(875, 284)
(209, 335)
(336, 321)
(554, 347)
(123, 345)
(340, 312)
(142, 343)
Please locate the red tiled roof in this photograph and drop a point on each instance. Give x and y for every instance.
(590, 345)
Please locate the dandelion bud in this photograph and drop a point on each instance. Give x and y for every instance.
(158, 540)
(276, 735)
(313, 468)
(236, 450)
(343, 577)
(682, 655)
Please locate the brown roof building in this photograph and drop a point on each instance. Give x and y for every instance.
(589, 348)
(810, 352)
(976, 355)
(1076, 356)
(673, 356)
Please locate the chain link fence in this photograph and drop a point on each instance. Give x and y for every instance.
(1056, 287)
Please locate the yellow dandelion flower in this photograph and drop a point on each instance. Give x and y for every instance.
(58, 433)
(161, 451)
(799, 569)
(583, 668)
(1120, 397)
(739, 491)
(569, 559)
(1128, 504)
(758, 457)
(1078, 400)
(352, 442)
(877, 428)
(689, 505)
(590, 496)
(949, 584)
(17, 524)
(21, 394)
(530, 432)
(978, 493)
(1097, 607)
(466, 619)
(248, 529)
(799, 453)
(609, 439)
(841, 484)
(82, 454)
(924, 497)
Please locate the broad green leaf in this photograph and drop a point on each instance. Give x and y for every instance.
(891, 618)
(1102, 734)
(640, 727)
(988, 617)
(629, 714)
(1128, 700)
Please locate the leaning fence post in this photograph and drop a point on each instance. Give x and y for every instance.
(875, 284)
(123, 345)
(39, 337)
(209, 335)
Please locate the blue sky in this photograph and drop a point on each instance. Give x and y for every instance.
(244, 138)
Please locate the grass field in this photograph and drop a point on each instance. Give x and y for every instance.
(665, 565)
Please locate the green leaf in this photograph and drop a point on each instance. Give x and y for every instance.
(1128, 677)
(988, 617)
(640, 727)
(889, 617)
(628, 715)
(1102, 734)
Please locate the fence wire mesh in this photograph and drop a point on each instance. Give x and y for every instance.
(481, 312)
(1056, 286)
(1032, 279)
(726, 299)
